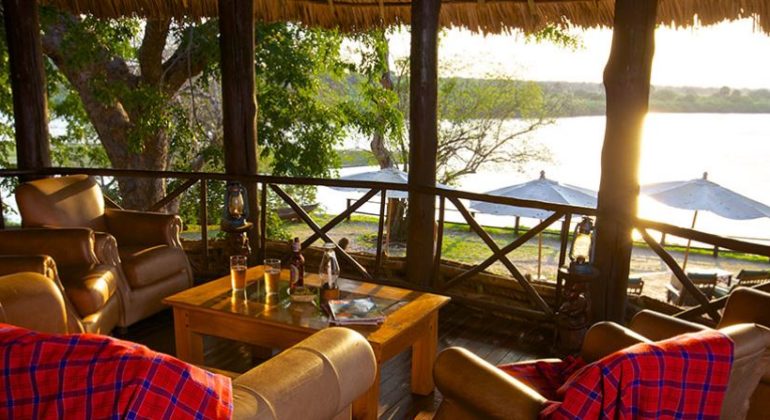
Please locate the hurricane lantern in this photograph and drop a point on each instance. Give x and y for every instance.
(582, 248)
(235, 211)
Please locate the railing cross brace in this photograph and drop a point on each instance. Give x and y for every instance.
(317, 229)
(534, 297)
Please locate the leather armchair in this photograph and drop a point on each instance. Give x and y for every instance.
(144, 247)
(496, 395)
(319, 378)
(88, 289)
(744, 305)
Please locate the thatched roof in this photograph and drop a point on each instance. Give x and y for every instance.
(487, 16)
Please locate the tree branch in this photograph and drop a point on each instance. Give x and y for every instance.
(151, 51)
(190, 58)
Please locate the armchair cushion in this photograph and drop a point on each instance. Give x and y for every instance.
(134, 228)
(94, 376)
(145, 266)
(89, 287)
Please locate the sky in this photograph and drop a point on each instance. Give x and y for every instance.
(728, 54)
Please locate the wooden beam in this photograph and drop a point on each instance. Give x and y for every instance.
(627, 83)
(423, 138)
(27, 74)
(239, 103)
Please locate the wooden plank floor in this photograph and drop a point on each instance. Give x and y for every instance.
(496, 339)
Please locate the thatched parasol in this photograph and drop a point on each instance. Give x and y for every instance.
(485, 16)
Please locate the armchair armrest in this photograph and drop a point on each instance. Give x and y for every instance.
(605, 338)
(475, 386)
(657, 326)
(144, 228)
(23, 296)
(40, 264)
(316, 379)
(67, 246)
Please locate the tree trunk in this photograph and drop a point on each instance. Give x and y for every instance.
(379, 148)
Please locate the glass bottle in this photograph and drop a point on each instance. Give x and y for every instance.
(329, 271)
(296, 267)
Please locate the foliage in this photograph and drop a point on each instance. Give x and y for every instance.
(588, 99)
(484, 122)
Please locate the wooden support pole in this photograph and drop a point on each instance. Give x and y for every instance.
(627, 84)
(239, 103)
(423, 138)
(27, 74)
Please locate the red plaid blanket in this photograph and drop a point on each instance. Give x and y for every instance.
(684, 377)
(93, 376)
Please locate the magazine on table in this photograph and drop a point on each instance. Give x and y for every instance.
(361, 311)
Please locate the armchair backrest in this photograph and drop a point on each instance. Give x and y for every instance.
(746, 305)
(68, 201)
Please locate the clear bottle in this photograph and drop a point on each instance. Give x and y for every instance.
(296, 267)
(329, 271)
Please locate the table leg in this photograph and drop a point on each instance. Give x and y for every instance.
(366, 406)
(189, 345)
(423, 356)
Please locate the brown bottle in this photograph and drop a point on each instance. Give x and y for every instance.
(296, 267)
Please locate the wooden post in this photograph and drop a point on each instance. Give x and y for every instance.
(239, 103)
(627, 84)
(423, 139)
(27, 74)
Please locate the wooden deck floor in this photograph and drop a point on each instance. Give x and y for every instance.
(496, 339)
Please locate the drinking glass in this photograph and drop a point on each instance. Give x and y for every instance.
(272, 275)
(238, 268)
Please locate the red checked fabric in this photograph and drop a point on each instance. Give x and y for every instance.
(683, 377)
(92, 376)
(545, 377)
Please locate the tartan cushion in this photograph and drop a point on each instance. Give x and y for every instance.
(93, 376)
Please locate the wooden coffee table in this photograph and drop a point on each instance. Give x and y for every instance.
(211, 309)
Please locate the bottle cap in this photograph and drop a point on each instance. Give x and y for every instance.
(329, 245)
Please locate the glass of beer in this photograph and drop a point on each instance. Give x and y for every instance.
(238, 272)
(272, 275)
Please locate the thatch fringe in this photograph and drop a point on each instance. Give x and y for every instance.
(484, 16)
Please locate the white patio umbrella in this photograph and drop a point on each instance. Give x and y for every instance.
(392, 175)
(541, 189)
(702, 194)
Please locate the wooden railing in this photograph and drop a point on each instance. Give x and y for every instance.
(704, 305)
(538, 306)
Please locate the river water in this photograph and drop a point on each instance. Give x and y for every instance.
(733, 148)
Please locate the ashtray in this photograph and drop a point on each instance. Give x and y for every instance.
(302, 294)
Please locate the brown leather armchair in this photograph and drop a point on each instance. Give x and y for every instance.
(319, 378)
(88, 289)
(744, 305)
(496, 395)
(144, 247)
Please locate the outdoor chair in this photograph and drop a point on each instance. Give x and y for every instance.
(744, 305)
(746, 278)
(316, 379)
(497, 395)
(144, 247)
(679, 296)
(87, 289)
